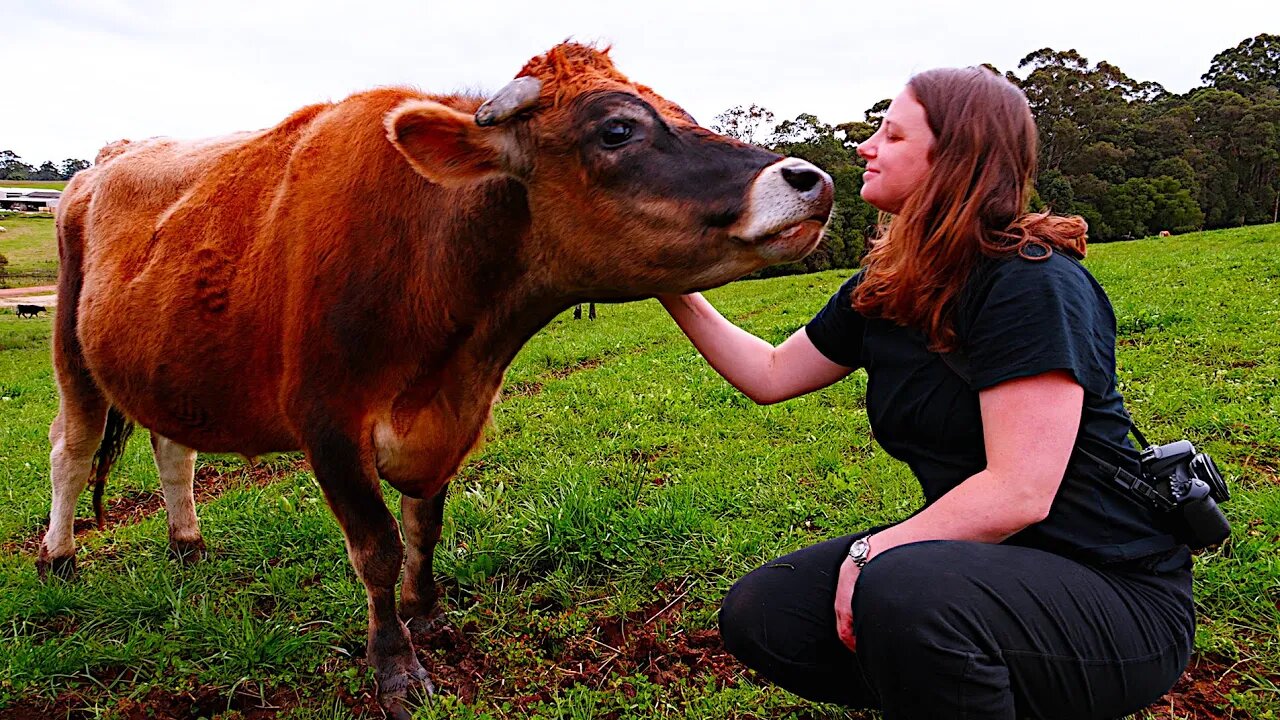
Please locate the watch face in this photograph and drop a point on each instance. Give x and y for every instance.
(860, 549)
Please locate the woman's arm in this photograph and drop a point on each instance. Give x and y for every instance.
(1029, 426)
(762, 372)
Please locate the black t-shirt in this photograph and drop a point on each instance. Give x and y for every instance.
(1015, 318)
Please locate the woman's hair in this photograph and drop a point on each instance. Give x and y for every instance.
(973, 202)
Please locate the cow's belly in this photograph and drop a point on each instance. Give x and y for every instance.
(205, 382)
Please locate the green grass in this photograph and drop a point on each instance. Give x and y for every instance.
(42, 184)
(31, 246)
(602, 495)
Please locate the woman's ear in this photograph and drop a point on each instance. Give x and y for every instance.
(445, 146)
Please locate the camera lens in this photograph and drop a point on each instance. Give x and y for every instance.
(1204, 468)
(1204, 523)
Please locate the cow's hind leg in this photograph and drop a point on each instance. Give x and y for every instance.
(351, 486)
(75, 436)
(422, 523)
(177, 467)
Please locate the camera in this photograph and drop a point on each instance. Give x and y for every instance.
(1191, 487)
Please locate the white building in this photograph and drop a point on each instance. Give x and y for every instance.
(30, 199)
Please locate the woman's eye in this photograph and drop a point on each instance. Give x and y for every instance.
(615, 133)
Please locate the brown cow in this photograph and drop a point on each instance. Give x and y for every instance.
(355, 281)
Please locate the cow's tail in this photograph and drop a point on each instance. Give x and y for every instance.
(119, 428)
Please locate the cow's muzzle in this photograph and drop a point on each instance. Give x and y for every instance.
(784, 199)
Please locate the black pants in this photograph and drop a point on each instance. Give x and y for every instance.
(967, 630)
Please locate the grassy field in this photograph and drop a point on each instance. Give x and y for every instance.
(623, 488)
(31, 246)
(43, 184)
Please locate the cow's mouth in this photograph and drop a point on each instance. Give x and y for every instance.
(792, 242)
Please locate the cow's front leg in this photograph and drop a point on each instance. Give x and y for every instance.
(422, 522)
(351, 487)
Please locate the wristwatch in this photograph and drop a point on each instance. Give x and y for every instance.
(860, 551)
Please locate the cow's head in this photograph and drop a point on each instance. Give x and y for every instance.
(628, 194)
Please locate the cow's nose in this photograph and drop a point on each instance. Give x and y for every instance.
(784, 194)
(808, 183)
(802, 179)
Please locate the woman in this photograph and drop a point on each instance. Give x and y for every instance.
(1029, 585)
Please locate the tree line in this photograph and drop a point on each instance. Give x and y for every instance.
(12, 167)
(1129, 156)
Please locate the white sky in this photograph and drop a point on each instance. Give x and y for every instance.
(81, 73)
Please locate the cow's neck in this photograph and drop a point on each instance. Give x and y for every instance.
(505, 293)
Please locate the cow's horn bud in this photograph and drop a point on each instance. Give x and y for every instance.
(519, 95)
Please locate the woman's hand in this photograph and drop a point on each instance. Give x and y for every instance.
(844, 603)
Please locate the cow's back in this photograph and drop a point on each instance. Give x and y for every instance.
(179, 309)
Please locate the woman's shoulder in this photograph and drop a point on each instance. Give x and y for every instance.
(1059, 273)
(1013, 285)
(1025, 317)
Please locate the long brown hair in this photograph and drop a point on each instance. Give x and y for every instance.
(972, 203)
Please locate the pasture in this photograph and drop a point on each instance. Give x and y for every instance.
(41, 184)
(30, 243)
(622, 489)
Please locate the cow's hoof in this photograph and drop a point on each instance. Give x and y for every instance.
(59, 567)
(401, 693)
(63, 567)
(188, 551)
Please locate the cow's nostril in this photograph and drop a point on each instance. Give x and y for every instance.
(802, 180)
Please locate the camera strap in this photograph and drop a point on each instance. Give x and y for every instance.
(1128, 480)
(1133, 483)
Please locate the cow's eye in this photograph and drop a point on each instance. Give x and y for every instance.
(615, 132)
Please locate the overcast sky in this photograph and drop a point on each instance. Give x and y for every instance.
(80, 74)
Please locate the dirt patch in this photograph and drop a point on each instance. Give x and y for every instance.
(1201, 692)
(647, 457)
(130, 508)
(588, 364)
(535, 387)
(25, 291)
(522, 389)
(455, 665)
(1264, 467)
(614, 649)
(251, 702)
(644, 642)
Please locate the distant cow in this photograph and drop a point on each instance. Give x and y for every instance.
(1164, 233)
(30, 311)
(355, 281)
(591, 312)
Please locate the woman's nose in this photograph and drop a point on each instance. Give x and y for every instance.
(866, 150)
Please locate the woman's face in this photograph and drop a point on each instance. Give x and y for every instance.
(897, 155)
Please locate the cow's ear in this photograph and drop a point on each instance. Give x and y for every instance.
(445, 146)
